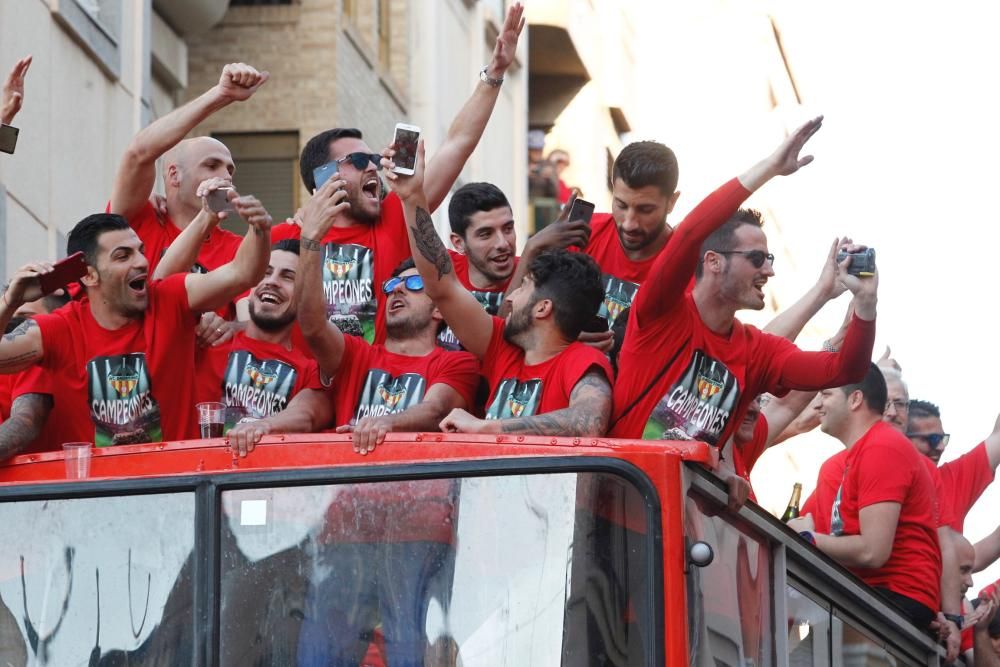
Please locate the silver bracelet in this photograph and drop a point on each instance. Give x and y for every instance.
(489, 80)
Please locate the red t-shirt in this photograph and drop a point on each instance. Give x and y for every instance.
(61, 426)
(133, 384)
(622, 276)
(490, 298)
(745, 456)
(962, 482)
(373, 381)
(883, 466)
(6, 397)
(356, 261)
(712, 377)
(820, 501)
(254, 378)
(518, 389)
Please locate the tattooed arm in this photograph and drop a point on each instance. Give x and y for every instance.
(27, 416)
(588, 414)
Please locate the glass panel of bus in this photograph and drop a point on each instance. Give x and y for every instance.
(808, 630)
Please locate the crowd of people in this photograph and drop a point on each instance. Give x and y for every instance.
(354, 316)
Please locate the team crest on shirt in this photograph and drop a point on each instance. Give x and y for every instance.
(698, 406)
(260, 376)
(253, 387)
(340, 264)
(124, 379)
(618, 295)
(121, 401)
(515, 399)
(385, 394)
(348, 277)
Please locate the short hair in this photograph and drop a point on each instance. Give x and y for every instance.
(316, 152)
(288, 245)
(405, 265)
(643, 163)
(56, 300)
(872, 387)
(572, 280)
(724, 238)
(14, 323)
(921, 409)
(83, 237)
(472, 198)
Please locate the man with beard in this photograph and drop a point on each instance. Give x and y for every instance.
(124, 354)
(541, 379)
(367, 240)
(258, 372)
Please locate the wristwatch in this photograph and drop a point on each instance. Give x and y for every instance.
(489, 80)
(957, 619)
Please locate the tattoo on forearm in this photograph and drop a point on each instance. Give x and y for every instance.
(27, 415)
(310, 244)
(20, 330)
(588, 414)
(429, 243)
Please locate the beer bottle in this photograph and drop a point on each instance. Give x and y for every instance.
(792, 511)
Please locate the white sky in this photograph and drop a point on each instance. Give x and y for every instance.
(904, 163)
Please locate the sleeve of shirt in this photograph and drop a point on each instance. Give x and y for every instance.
(56, 340)
(964, 479)
(460, 371)
(882, 477)
(35, 380)
(172, 301)
(584, 359)
(310, 376)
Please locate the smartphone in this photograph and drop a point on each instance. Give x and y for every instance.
(405, 141)
(64, 272)
(8, 138)
(218, 201)
(581, 210)
(323, 173)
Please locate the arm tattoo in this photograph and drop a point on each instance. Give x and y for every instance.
(27, 415)
(310, 244)
(587, 415)
(429, 243)
(20, 330)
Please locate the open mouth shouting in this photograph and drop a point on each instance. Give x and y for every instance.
(138, 284)
(370, 188)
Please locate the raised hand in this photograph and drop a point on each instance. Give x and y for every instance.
(829, 277)
(405, 187)
(321, 209)
(253, 213)
(864, 289)
(13, 90)
(23, 286)
(207, 187)
(239, 81)
(785, 160)
(506, 44)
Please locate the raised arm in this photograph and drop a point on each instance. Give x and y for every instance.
(27, 416)
(471, 324)
(587, 415)
(137, 172)
(22, 347)
(212, 290)
(790, 322)
(325, 340)
(370, 432)
(13, 91)
(469, 124)
(672, 271)
(183, 251)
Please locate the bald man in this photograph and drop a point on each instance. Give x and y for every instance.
(192, 170)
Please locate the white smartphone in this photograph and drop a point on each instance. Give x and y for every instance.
(405, 142)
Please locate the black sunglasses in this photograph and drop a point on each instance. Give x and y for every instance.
(933, 440)
(413, 283)
(756, 257)
(360, 160)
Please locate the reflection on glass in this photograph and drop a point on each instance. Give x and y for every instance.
(520, 569)
(808, 630)
(852, 647)
(97, 581)
(730, 600)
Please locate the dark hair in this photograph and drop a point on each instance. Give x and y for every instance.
(83, 237)
(316, 152)
(405, 265)
(643, 163)
(288, 245)
(56, 300)
(920, 409)
(573, 281)
(472, 198)
(724, 238)
(872, 387)
(14, 323)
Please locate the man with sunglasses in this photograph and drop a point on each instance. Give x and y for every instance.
(368, 240)
(688, 368)
(188, 165)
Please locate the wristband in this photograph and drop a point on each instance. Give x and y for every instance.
(489, 80)
(808, 536)
(957, 619)
(310, 244)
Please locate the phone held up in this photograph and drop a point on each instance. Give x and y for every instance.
(582, 210)
(405, 143)
(218, 201)
(324, 173)
(8, 138)
(64, 272)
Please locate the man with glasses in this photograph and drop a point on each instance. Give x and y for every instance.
(688, 368)
(368, 238)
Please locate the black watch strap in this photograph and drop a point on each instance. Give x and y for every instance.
(957, 619)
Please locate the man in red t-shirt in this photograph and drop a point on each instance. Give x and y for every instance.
(688, 368)
(190, 165)
(541, 380)
(883, 519)
(258, 372)
(125, 352)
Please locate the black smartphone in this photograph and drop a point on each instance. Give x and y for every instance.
(64, 272)
(581, 210)
(8, 138)
(324, 173)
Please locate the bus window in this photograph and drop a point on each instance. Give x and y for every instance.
(518, 569)
(729, 601)
(808, 630)
(97, 580)
(856, 647)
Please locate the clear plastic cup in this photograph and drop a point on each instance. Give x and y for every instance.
(211, 419)
(77, 457)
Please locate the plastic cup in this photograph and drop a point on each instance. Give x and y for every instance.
(211, 419)
(77, 458)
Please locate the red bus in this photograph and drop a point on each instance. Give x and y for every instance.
(435, 549)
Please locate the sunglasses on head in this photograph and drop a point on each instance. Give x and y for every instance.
(360, 160)
(933, 440)
(412, 283)
(756, 257)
